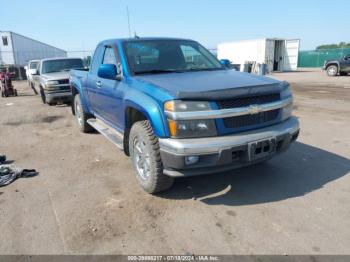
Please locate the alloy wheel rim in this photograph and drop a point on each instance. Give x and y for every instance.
(331, 70)
(141, 159)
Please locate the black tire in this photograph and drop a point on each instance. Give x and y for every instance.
(81, 117)
(332, 70)
(155, 181)
(42, 94)
(15, 91)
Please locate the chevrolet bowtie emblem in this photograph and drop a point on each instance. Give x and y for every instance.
(254, 109)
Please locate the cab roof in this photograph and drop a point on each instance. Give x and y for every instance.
(135, 39)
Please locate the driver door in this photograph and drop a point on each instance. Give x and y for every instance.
(110, 93)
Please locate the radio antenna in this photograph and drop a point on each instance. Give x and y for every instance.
(128, 15)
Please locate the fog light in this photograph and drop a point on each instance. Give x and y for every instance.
(190, 160)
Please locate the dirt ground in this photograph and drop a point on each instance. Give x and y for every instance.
(86, 199)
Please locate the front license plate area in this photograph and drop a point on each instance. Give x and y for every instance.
(261, 148)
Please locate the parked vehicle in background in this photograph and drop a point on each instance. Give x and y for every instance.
(51, 79)
(33, 64)
(177, 111)
(338, 66)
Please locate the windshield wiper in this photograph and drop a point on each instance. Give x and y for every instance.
(157, 71)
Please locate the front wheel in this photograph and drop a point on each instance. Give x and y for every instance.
(42, 94)
(145, 156)
(332, 70)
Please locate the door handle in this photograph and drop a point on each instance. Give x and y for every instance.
(98, 84)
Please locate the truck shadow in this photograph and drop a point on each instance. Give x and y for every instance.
(299, 171)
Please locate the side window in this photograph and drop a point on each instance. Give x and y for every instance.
(33, 65)
(97, 59)
(109, 56)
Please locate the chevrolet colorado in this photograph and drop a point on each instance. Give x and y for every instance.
(177, 111)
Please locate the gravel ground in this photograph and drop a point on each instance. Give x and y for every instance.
(86, 199)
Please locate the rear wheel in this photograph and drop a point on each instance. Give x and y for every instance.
(80, 116)
(332, 70)
(145, 156)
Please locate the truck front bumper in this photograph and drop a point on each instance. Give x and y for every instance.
(58, 96)
(217, 154)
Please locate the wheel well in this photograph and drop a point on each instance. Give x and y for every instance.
(132, 116)
(333, 64)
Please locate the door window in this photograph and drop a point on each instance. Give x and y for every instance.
(109, 56)
(96, 61)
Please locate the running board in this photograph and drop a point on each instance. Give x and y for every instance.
(109, 132)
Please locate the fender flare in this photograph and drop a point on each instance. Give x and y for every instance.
(150, 108)
(77, 89)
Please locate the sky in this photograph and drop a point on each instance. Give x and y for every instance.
(80, 24)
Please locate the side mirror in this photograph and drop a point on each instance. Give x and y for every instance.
(109, 71)
(226, 63)
(26, 68)
(33, 72)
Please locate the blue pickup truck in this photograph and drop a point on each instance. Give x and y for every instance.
(177, 111)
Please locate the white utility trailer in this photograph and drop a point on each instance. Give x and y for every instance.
(277, 54)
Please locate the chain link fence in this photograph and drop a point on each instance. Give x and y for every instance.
(316, 58)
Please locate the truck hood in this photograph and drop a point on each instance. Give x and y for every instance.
(212, 85)
(55, 76)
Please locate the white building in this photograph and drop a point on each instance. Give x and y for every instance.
(277, 54)
(16, 50)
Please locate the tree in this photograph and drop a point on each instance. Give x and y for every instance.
(332, 46)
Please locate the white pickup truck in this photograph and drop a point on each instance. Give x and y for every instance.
(32, 64)
(51, 78)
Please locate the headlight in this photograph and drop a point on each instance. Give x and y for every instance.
(288, 109)
(286, 93)
(190, 128)
(52, 83)
(184, 106)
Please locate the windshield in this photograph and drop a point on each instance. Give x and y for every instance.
(33, 65)
(60, 65)
(163, 56)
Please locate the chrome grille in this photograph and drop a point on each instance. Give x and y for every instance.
(251, 120)
(247, 101)
(63, 81)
